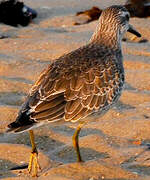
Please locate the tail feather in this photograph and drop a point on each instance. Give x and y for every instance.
(19, 129)
(22, 123)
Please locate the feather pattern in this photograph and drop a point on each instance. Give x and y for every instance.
(77, 96)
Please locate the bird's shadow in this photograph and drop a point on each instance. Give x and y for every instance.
(5, 171)
(131, 165)
(64, 153)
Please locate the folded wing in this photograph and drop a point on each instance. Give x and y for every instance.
(76, 95)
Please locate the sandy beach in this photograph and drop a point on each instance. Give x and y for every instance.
(115, 146)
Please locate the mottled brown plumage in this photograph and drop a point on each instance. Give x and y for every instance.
(75, 86)
(85, 81)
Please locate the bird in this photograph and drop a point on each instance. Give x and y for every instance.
(86, 81)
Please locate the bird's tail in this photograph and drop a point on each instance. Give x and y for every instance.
(22, 123)
(15, 128)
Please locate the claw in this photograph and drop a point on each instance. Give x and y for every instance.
(33, 164)
(33, 161)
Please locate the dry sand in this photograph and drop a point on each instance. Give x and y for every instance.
(115, 147)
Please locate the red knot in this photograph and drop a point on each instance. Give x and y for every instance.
(88, 80)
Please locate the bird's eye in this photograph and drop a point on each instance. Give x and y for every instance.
(127, 17)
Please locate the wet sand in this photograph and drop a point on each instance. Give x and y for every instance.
(115, 146)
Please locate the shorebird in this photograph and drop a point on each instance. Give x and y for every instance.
(88, 80)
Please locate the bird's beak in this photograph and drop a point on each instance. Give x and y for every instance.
(133, 31)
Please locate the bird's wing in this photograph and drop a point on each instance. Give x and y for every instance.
(74, 94)
(46, 100)
(91, 92)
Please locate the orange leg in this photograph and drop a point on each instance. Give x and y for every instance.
(33, 162)
(75, 140)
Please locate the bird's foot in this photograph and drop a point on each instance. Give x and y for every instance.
(33, 164)
(80, 161)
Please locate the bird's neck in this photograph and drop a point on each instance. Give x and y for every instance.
(110, 39)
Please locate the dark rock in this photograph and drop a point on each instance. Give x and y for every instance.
(92, 13)
(138, 8)
(14, 13)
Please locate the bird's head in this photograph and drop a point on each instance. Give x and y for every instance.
(117, 17)
(114, 22)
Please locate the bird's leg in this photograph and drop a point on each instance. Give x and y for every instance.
(75, 140)
(33, 162)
